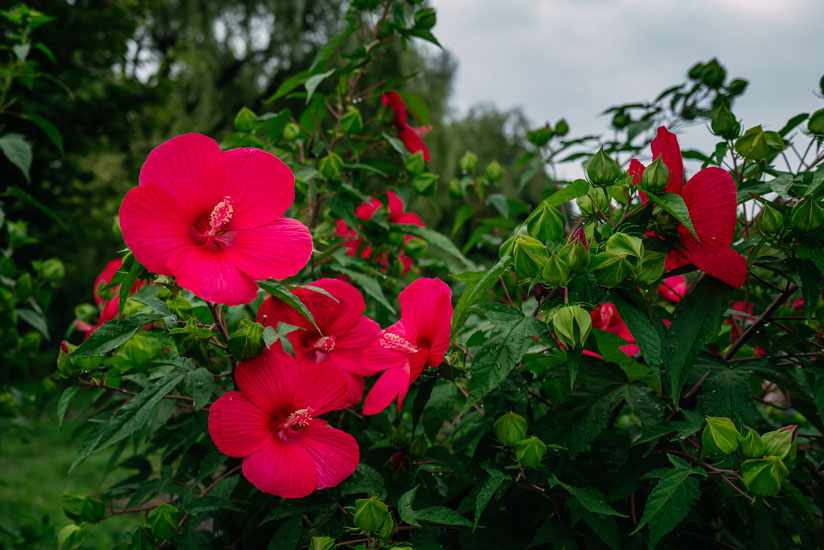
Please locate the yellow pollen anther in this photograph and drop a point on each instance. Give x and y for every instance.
(397, 343)
(299, 419)
(221, 215)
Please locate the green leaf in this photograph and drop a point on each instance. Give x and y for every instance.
(674, 205)
(696, 322)
(488, 489)
(35, 319)
(670, 500)
(18, 151)
(133, 271)
(128, 419)
(63, 404)
(437, 239)
(365, 480)
(434, 514)
(811, 284)
(49, 129)
(284, 295)
(163, 520)
(590, 499)
(112, 334)
(726, 392)
(577, 188)
(640, 326)
(200, 384)
(504, 349)
(313, 82)
(477, 292)
(289, 84)
(368, 284)
(621, 243)
(22, 195)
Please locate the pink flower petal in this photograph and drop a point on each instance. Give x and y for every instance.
(393, 99)
(335, 453)
(378, 358)
(351, 346)
(426, 311)
(355, 385)
(191, 169)
(636, 170)
(105, 276)
(154, 226)
(392, 383)
(269, 381)
(260, 185)
(278, 250)
(237, 427)
(333, 318)
(673, 288)
(282, 468)
(727, 264)
(413, 142)
(273, 311)
(666, 147)
(320, 388)
(367, 209)
(211, 275)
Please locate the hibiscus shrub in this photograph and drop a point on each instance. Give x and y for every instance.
(288, 357)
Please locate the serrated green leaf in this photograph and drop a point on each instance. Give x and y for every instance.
(200, 384)
(488, 489)
(18, 151)
(577, 188)
(434, 514)
(63, 404)
(640, 326)
(475, 293)
(48, 129)
(112, 334)
(313, 82)
(433, 237)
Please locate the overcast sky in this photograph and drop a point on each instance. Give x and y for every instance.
(574, 58)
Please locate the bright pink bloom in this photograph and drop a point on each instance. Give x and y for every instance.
(365, 212)
(606, 317)
(344, 331)
(108, 306)
(739, 320)
(419, 339)
(214, 219)
(272, 424)
(710, 196)
(411, 137)
(673, 288)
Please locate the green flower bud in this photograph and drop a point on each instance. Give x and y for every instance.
(529, 452)
(352, 121)
(720, 436)
(245, 120)
(593, 203)
(656, 176)
(695, 71)
(163, 520)
(529, 255)
(370, 514)
(291, 131)
(572, 326)
(415, 164)
(330, 166)
(763, 476)
(724, 124)
(468, 162)
(53, 270)
(737, 86)
(780, 443)
(71, 537)
(816, 123)
(575, 255)
(247, 342)
(602, 169)
(425, 184)
(753, 144)
(92, 509)
(539, 137)
(322, 543)
(614, 270)
(621, 120)
(771, 221)
(652, 266)
(555, 272)
(455, 189)
(752, 445)
(561, 128)
(806, 216)
(494, 172)
(507, 248)
(141, 539)
(713, 74)
(546, 223)
(24, 285)
(510, 428)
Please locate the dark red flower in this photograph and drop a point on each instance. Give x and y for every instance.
(411, 137)
(109, 302)
(673, 288)
(606, 317)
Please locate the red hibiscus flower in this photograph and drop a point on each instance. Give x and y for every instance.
(606, 317)
(711, 201)
(108, 306)
(673, 288)
(344, 332)
(272, 424)
(419, 339)
(411, 137)
(214, 219)
(366, 211)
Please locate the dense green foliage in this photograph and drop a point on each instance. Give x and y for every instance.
(539, 429)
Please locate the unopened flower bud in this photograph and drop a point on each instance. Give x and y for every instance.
(720, 436)
(695, 71)
(602, 169)
(780, 443)
(507, 248)
(529, 452)
(752, 445)
(614, 270)
(24, 285)
(546, 223)
(555, 272)
(572, 326)
(806, 216)
(594, 203)
(753, 144)
(763, 476)
(247, 341)
(370, 514)
(455, 190)
(656, 176)
(510, 428)
(291, 131)
(468, 162)
(561, 128)
(713, 74)
(575, 255)
(540, 136)
(494, 172)
(724, 124)
(352, 121)
(771, 221)
(529, 255)
(53, 270)
(330, 166)
(414, 164)
(816, 123)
